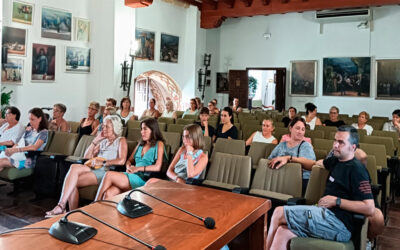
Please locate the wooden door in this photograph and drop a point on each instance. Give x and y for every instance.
(239, 87)
(280, 89)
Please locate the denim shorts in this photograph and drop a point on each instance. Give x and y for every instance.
(317, 222)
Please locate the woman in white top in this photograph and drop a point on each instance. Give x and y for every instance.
(169, 110)
(311, 116)
(363, 117)
(193, 108)
(265, 135)
(125, 110)
(12, 130)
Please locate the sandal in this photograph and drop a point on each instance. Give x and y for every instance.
(52, 213)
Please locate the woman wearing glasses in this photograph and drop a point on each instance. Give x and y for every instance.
(59, 123)
(334, 118)
(90, 123)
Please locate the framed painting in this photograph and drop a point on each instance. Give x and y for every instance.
(145, 41)
(82, 30)
(43, 62)
(222, 82)
(388, 79)
(303, 78)
(347, 76)
(77, 60)
(169, 48)
(14, 39)
(22, 12)
(13, 71)
(56, 24)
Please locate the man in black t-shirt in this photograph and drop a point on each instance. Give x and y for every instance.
(207, 129)
(347, 191)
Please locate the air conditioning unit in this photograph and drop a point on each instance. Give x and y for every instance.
(343, 15)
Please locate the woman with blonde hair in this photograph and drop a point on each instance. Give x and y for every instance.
(169, 111)
(363, 118)
(265, 135)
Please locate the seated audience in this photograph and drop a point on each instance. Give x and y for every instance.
(235, 105)
(333, 118)
(107, 111)
(169, 110)
(213, 110)
(347, 191)
(107, 149)
(292, 114)
(11, 131)
(124, 110)
(190, 160)
(311, 116)
(152, 111)
(265, 135)
(147, 157)
(394, 125)
(34, 139)
(199, 103)
(226, 129)
(363, 118)
(193, 108)
(110, 102)
(207, 129)
(89, 124)
(295, 150)
(59, 123)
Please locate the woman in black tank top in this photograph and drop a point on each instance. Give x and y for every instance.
(88, 124)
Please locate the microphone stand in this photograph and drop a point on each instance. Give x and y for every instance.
(77, 233)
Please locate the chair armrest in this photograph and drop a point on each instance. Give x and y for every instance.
(193, 181)
(57, 157)
(296, 201)
(33, 153)
(240, 190)
(118, 168)
(383, 173)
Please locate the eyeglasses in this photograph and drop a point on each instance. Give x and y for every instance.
(187, 137)
(92, 108)
(56, 110)
(332, 112)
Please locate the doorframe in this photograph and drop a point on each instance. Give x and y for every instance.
(276, 69)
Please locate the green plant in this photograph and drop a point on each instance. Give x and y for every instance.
(252, 86)
(5, 100)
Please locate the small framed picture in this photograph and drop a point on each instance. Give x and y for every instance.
(13, 71)
(303, 78)
(77, 60)
(22, 12)
(56, 24)
(14, 39)
(388, 79)
(43, 63)
(169, 48)
(82, 29)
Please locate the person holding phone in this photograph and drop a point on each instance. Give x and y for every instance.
(295, 150)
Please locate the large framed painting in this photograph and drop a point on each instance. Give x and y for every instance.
(77, 60)
(43, 62)
(82, 30)
(56, 24)
(13, 71)
(145, 41)
(169, 48)
(22, 12)
(303, 78)
(347, 76)
(222, 82)
(388, 79)
(14, 39)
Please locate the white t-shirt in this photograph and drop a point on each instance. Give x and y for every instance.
(258, 137)
(366, 127)
(311, 123)
(388, 126)
(127, 118)
(13, 134)
(168, 114)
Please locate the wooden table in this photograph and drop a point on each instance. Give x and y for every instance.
(234, 215)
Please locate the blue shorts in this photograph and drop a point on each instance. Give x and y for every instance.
(317, 222)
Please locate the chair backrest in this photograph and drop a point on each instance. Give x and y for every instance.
(379, 151)
(184, 121)
(74, 126)
(372, 169)
(261, 116)
(166, 120)
(259, 150)
(243, 123)
(50, 135)
(207, 144)
(315, 134)
(286, 180)
(327, 130)
(131, 146)
(279, 124)
(316, 185)
(134, 134)
(391, 134)
(179, 114)
(132, 124)
(124, 131)
(173, 140)
(229, 146)
(362, 132)
(278, 132)
(386, 141)
(376, 124)
(213, 122)
(249, 129)
(177, 128)
(162, 126)
(320, 154)
(63, 143)
(323, 144)
(192, 117)
(230, 169)
(83, 144)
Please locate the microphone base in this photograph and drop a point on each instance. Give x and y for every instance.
(133, 208)
(72, 232)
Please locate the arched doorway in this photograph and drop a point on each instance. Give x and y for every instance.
(158, 85)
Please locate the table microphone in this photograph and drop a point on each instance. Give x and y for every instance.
(125, 209)
(77, 233)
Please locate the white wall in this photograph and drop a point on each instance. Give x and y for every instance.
(296, 36)
(178, 21)
(76, 90)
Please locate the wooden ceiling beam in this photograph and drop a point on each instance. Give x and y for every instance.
(247, 3)
(209, 4)
(230, 3)
(266, 2)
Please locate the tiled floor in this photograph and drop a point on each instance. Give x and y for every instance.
(19, 210)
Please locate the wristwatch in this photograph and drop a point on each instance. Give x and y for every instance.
(104, 163)
(338, 202)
